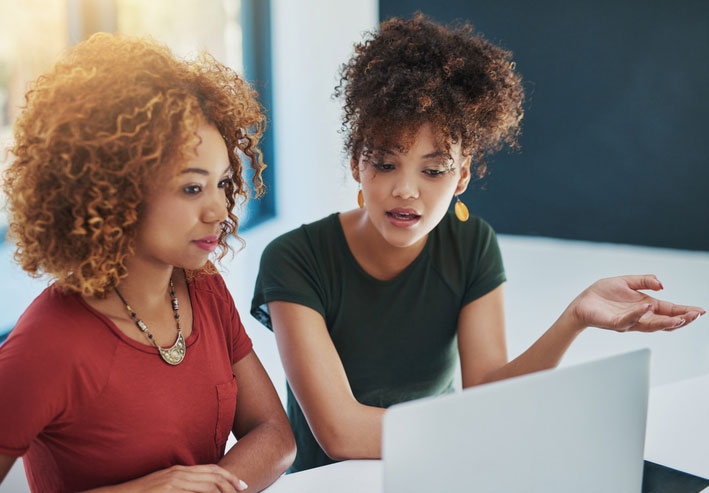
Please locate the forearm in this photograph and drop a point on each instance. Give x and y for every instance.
(354, 432)
(262, 455)
(344, 428)
(544, 354)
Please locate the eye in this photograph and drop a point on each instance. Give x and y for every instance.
(223, 183)
(382, 166)
(435, 172)
(192, 189)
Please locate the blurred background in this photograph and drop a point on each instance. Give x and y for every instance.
(610, 178)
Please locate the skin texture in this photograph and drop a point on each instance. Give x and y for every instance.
(391, 179)
(422, 179)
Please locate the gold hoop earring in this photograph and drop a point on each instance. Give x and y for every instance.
(360, 198)
(461, 210)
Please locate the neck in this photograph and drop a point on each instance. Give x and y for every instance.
(146, 282)
(383, 260)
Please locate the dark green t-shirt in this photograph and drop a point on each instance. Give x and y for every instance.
(397, 338)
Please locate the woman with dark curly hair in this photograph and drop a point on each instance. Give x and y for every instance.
(123, 374)
(376, 305)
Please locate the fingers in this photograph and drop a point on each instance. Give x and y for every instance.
(670, 309)
(647, 281)
(651, 322)
(689, 318)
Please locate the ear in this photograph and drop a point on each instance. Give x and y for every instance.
(354, 167)
(464, 176)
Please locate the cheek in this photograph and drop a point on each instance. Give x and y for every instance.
(156, 218)
(441, 194)
(372, 185)
(164, 215)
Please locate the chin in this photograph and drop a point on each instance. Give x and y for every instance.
(403, 242)
(193, 265)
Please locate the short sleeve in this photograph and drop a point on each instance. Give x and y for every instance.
(241, 344)
(35, 380)
(486, 270)
(289, 271)
(239, 341)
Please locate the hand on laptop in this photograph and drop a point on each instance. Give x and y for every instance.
(617, 304)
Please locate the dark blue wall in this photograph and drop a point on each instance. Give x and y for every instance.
(616, 130)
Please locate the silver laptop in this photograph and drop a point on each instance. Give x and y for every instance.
(574, 429)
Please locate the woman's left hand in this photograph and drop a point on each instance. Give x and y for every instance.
(617, 304)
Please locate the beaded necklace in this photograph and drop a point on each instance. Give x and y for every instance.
(175, 353)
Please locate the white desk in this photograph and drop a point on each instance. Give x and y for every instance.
(678, 426)
(350, 476)
(677, 437)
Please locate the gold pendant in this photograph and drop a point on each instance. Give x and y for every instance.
(461, 211)
(360, 199)
(175, 353)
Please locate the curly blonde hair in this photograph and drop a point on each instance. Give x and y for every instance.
(95, 132)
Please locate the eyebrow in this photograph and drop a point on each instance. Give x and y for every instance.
(385, 151)
(201, 171)
(434, 154)
(427, 156)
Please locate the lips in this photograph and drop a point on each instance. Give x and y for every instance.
(403, 217)
(208, 243)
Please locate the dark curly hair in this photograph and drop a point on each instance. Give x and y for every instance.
(414, 71)
(94, 134)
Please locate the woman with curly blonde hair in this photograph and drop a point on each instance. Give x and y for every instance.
(123, 374)
(377, 305)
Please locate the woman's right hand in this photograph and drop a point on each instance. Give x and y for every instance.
(202, 478)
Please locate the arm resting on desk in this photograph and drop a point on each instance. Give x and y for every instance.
(265, 448)
(344, 428)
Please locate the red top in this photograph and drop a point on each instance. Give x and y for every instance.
(89, 407)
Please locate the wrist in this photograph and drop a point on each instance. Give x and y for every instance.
(570, 323)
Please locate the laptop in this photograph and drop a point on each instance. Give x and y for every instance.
(573, 429)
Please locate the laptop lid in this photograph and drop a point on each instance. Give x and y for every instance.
(578, 428)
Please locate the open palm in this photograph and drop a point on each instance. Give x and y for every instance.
(617, 304)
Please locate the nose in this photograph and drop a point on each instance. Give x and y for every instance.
(215, 209)
(405, 187)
